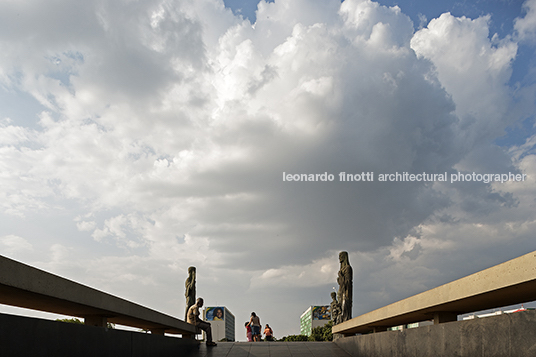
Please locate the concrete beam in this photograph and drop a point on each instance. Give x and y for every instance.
(512, 282)
(24, 286)
(445, 316)
(158, 331)
(98, 321)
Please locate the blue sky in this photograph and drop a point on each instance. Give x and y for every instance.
(140, 138)
(502, 16)
(503, 11)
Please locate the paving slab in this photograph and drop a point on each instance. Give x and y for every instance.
(272, 349)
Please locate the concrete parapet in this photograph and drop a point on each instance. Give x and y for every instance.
(24, 286)
(508, 335)
(25, 336)
(509, 283)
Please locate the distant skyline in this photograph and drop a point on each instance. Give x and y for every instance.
(140, 138)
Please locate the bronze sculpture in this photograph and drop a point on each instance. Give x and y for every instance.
(335, 309)
(190, 290)
(344, 279)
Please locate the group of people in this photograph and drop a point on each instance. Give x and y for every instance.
(253, 329)
(341, 309)
(192, 313)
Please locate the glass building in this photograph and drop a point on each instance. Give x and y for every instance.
(314, 316)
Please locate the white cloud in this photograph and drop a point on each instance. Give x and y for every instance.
(85, 225)
(471, 67)
(168, 126)
(318, 273)
(379, 26)
(12, 244)
(526, 25)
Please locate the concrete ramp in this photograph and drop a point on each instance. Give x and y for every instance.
(273, 349)
(31, 288)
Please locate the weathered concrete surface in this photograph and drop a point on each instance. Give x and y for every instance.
(509, 283)
(274, 349)
(507, 335)
(25, 336)
(24, 286)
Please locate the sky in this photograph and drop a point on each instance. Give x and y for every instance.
(138, 138)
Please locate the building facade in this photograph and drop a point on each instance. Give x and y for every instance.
(314, 316)
(222, 322)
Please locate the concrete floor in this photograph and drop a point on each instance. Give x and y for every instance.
(272, 349)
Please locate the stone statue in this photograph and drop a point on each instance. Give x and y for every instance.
(335, 309)
(344, 279)
(190, 290)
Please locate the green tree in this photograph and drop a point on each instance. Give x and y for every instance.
(322, 333)
(294, 338)
(79, 322)
(71, 321)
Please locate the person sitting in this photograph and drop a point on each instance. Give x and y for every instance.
(193, 318)
(269, 333)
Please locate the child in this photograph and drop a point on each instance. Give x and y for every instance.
(248, 332)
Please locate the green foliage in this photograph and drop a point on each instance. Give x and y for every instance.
(79, 322)
(71, 321)
(322, 333)
(294, 338)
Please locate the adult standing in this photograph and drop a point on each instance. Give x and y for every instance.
(255, 323)
(344, 279)
(190, 290)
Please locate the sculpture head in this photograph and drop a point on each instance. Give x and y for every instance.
(334, 295)
(343, 258)
(199, 302)
(191, 271)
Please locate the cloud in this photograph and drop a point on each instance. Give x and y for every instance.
(526, 26)
(318, 273)
(473, 68)
(12, 244)
(166, 127)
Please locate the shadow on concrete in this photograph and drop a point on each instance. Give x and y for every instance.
(272, 349)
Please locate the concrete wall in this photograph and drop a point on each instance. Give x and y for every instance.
(504, 335)
(25, 336)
